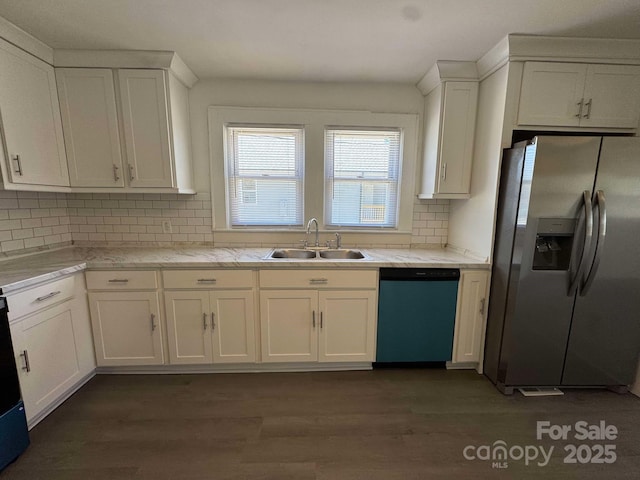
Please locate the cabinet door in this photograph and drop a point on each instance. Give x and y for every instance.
(30, 120)
(347, 326)
(551, 94)
(188, 328)
(470, 316)
(126, 328)
(143, 97)
(289, 325)
(456, 137)
(45, 347)
(612, 96)
(90, 124)
(233, 326)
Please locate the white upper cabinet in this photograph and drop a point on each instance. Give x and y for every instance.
(612, 96)
(449, 130)
(143, 99)
(33, 148)
(126, 128)
(90, 122)
(579, 95)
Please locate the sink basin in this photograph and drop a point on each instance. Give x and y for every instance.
(292, 253)
(341, 254)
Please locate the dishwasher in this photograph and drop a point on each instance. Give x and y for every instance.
(416, 314)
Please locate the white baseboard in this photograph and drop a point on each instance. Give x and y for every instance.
(462, 366)
(236, 368)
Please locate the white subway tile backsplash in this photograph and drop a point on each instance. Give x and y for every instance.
(31, 219)
(27, 220)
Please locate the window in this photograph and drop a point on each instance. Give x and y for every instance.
(275, 168)
(264, 175)
(362, 168)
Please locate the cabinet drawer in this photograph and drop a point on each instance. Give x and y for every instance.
(318, 279)
(208, 279)
(34, 299)
(122, 280)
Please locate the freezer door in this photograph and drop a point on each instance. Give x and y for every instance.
(605, 332)
(556, 173)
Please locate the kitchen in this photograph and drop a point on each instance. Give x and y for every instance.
(99, 216)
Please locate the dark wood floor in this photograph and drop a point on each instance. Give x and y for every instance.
(384, 424)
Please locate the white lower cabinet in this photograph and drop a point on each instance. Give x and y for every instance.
(319, 324)
(210, 327)
(347, 325)
(53, 350)
(470, 316)
(289, 325)
(126, 328)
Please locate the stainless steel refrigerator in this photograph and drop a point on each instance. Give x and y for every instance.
(564, 307)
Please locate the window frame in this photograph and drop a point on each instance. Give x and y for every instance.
(329, 181)
(315, 121)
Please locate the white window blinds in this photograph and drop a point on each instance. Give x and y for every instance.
(362, 167)
(264, 175)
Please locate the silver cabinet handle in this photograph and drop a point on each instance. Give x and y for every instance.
(580, 105)
(204, 320)
(444, 171)
(27, 366)
(131, 175)
(47, 296)
(207, 280)
(318, 281)
(153, 322)
(482, 302)
(116, 177)
(313, 318)
(213, 321)
(16, 158)
(118, 280)
(321, 317)
(588, 105)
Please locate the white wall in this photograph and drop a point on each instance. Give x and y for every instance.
(387, 98)
(471, 222)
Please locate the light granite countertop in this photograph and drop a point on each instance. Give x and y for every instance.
(21, 272)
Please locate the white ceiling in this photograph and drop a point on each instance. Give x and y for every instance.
(315, 40)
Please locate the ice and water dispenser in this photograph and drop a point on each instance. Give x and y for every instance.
(554, 241)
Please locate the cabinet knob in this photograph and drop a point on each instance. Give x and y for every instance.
(482, 303)
(313, 318)
(204, 320)
(213, 321)
(116, 177)
(131, 175)
(153, 322)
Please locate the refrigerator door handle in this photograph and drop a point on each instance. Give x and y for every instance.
(602, 233)
(586, 247)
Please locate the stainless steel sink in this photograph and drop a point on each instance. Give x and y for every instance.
(292, 253)
(308, 254)
(341, 254)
